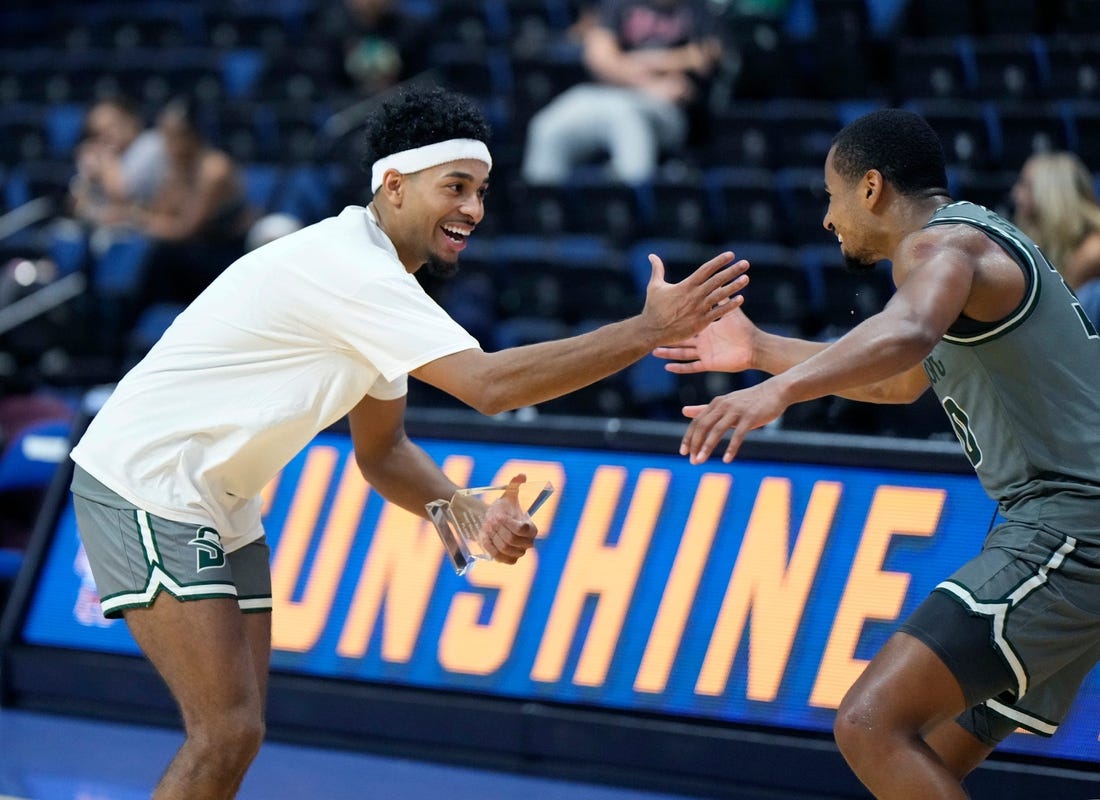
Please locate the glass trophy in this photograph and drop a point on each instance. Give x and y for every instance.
(458, 521)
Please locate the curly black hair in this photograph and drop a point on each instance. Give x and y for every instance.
(898, 143)
(419, 116)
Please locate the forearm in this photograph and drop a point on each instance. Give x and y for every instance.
(611, 64)
(535, 373)
(408, 477)
(619, 71)
(686, 58)
(879, 361)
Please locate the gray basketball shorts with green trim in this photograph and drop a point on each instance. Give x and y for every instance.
(1038, 596)
(135, 555)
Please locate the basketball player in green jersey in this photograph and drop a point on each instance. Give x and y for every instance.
(981, 317)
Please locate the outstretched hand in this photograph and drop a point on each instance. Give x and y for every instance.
(741, 411)
(726, 345)
(678, 311)
(508, 532)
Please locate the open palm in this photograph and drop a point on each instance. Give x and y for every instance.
(726, 345)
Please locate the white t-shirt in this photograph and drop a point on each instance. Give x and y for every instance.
(144, 164)
(282, 344)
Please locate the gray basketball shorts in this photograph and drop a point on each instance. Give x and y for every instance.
(135, 555)
(1019, 627)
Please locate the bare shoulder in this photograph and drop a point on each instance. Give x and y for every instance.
(965, 262)
(945, 241)
(936, 250)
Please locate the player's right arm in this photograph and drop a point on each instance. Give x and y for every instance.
(531, 374)
(735, 344)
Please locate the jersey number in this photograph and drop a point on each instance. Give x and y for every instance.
(960, 422)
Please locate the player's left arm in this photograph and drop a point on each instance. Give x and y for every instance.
(405, 475)
(394, 465)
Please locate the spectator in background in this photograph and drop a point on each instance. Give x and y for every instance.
(1056, 205)
(377, 42)
(201, 216)
(375, 46)
(649, 60)
(119, 165)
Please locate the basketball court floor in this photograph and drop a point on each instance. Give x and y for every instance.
(54, 757)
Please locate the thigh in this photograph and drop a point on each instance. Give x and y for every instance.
(251, 567)
(586, 112)
(202, 651)
(1042, 609)
(1041, 612)
(905, 687)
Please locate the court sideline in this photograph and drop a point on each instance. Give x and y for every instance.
(55, 757)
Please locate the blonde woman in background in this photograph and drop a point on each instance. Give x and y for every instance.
(1056, 205)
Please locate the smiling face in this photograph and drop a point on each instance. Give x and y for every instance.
(439, 209)
(847, 217)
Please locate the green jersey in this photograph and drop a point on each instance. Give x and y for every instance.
(1023, 393)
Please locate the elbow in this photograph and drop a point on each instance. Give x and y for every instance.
(489, 402)
(487, 389)
(896, 391)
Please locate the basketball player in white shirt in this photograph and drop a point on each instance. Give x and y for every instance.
(322, 323)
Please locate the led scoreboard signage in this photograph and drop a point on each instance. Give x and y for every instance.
(750, 593)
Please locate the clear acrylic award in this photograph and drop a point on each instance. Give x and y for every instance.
(458, 521)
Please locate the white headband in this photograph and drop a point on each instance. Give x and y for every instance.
(430, 155)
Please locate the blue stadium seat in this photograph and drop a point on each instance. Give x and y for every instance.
(68, 249)
(967, 130)
(540, 76)
(23, 132)
(151, 324)
(31, 458)
(530, 26)
(781, 294)
(1033, 127)
(262, 183)
(848, 298)
(64, 128)
(1073, 67)
(677, 207)
(1006, 68)
(520, 330)
(739, 136)
(1085, 131)
(307, 193)
(482, 74)
(804, 204)
(931, 68)
(118, 273)
(241, 69)
(990, 188)
(11, 560)
(745, 203)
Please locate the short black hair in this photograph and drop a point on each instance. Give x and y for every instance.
(122, 102)
(419, 116)
(900, 144)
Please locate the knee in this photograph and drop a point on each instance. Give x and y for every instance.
(244, 733)
(857, 729)
(233, 736)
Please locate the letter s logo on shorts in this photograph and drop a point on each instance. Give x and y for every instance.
(208, 549)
